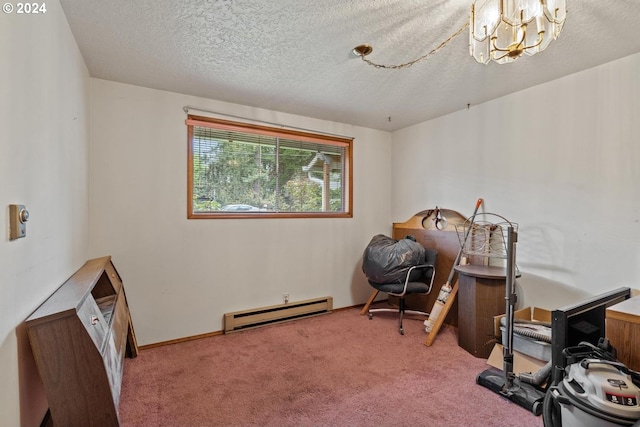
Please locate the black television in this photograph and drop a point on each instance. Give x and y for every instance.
(584, 321)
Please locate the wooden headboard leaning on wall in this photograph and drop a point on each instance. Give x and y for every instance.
(445, 240)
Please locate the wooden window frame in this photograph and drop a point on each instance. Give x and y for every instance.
(219, 124)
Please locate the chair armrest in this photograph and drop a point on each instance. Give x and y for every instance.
(421, 266)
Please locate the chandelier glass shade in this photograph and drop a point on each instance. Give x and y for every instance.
(502, 30)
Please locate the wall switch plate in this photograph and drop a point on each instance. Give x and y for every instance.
(18, 217)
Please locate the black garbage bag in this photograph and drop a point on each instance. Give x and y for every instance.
(387, 260)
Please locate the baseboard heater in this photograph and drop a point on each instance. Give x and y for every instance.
(247, 319)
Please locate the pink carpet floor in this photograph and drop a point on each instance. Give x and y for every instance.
(340, 369)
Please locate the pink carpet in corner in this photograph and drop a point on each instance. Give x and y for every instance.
(340, 369)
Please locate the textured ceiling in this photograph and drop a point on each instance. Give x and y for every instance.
(295, 55)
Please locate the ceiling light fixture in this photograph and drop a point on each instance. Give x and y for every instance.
(365, 49)
(500, 31)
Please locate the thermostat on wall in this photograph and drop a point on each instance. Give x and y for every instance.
(18, 217)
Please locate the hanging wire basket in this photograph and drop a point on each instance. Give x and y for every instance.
(483, 237)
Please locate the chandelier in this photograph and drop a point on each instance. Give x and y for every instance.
(502, 30)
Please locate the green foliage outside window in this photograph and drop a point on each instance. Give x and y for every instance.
(246, 172)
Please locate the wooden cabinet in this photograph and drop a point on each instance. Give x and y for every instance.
(79, 337)
(623, 331)
(481, 296)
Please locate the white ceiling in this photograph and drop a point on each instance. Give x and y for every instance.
(295, 55)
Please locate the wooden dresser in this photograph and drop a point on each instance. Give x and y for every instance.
(79, 337)
(623, 331)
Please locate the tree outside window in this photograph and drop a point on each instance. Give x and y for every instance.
(243, 170)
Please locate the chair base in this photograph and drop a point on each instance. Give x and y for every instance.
(401, 312)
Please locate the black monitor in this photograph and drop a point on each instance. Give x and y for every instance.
(584, 321)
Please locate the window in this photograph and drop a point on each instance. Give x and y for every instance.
(239, 170)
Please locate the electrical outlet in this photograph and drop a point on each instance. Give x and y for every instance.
(285, 298)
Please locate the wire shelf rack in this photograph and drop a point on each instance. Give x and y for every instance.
(486, 237)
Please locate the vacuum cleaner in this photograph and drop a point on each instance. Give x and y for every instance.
(596, 390)
(523, 390)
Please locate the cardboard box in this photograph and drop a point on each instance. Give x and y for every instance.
(521, 362)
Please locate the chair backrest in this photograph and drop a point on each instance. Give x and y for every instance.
(430, 257)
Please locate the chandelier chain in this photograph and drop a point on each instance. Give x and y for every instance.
(423, 57)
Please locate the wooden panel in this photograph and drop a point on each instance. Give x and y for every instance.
(90, 316)
(483, 271)
(479, 300)
(422, 227)
(78, 337)
(628, 310)
(103, 287)
(70, 364)
(116, 345)
(72, 292)
(120, 323)
(113, 276)
(113, 365)
(623, 331)
(624, 337)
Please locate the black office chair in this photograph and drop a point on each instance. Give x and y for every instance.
(418, 280)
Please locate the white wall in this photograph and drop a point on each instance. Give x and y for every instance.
(560, 159)
(568, 176)
(44, 133)
(182, 275)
